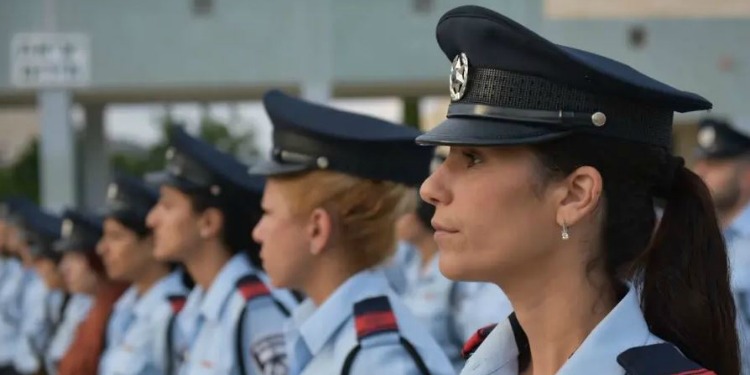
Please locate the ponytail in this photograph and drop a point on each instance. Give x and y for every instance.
(685, 296)
(682, 269)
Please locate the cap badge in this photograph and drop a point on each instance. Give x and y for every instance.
(67, 228)
(707, 137)
(112, 191)
(459, 76)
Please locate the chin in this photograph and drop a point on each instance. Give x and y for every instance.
(453, 266)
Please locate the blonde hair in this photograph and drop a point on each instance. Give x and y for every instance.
(363, 211)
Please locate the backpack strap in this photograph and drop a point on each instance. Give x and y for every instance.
(659, 359)
(177, 303)
(374, 316)
(476, 340)
(251, 287)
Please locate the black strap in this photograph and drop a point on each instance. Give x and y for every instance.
(170, 367)
(349, 361)
(239, 353)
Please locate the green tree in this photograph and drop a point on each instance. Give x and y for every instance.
(22, 177)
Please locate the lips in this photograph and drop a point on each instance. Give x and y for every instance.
(443, 228)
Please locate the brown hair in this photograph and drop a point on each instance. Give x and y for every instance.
(682, 268)
(364, 211)
(82, 357)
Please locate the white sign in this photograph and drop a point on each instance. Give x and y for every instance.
(50, 60)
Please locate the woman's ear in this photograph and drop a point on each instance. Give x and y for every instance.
(581, 194)
(319, 230)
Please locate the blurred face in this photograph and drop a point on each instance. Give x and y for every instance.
(723, 178)
(283, 237)
(175, 226)
(490, 215)
(50, 273)
(78, 275)
(124, 254)
(409, 228)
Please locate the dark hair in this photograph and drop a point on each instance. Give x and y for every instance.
(240, 216)
(425, 212)
(682, 269)
(134, 222)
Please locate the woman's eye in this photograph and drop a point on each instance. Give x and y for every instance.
(472, 158)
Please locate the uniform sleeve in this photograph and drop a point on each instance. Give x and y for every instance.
(265, 351)
(477, 305)
(34, 331)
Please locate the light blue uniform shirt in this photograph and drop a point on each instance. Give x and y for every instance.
(209, 322)
(137, 331)
(11, 303)
(35, 324)
(395, 267)
(320, 338)
(76, 310)
(737, 238)
(451, 311)
(623, 328)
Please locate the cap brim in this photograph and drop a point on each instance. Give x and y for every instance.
(65, 245)
(273, 168)
(478, 132)
(162, 178)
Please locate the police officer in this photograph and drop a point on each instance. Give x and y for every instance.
(83, 271)
(10, 291)
(557, 156)
(43, 297)
(13, 291)
(137, 332)
(232, 320)
(723, 162)
(336, 184)
(452, 311)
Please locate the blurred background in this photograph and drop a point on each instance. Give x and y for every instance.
(87, 86)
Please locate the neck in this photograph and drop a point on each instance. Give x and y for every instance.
(427, 248)
(206, 263)
(151, 275)
(329, 274)
(555, 327)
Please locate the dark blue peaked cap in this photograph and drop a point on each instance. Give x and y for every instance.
(79, 232)
(719, 139)
(129, 200)
(309, 136)
(511, 86)
(195, 165)
(41, 229)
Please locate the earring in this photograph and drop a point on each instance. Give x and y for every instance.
(565, 234)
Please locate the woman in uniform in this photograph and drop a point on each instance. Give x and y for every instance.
(232, 321)
(138, 331)
(557, 159)
(84, 273)
(336, 184)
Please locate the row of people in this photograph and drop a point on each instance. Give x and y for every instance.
(557, 160)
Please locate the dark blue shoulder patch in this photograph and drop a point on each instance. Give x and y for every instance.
(659, 359)
(374, 316)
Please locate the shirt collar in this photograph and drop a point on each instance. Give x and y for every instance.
(223, 286)
(127, 301)
(166, 286)
(317, 325)
(623, 328)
